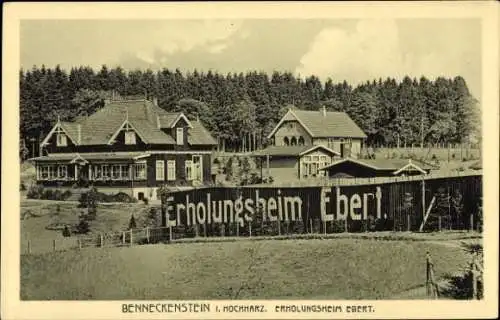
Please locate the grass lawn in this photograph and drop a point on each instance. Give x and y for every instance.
(110, 218)
(288, 269)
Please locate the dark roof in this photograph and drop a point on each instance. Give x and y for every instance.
(146, 117)
(198, 135)
(383, 164)
(283, 151)
(328, 124)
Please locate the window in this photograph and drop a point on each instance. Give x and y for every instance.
(310, 165)
(286, 142)
(189, 170)
(180, 136)
(160, 170)
(115, 172)
(125, 172)
(293, 142)
(62, 172)
(129, 137)
(301, 141)
(171, 170)
(62, 141)
(105, 172)
(140, 171)
(44, 172)
(97, 172)
(49, 172)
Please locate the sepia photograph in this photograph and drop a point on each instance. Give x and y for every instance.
(216, 158)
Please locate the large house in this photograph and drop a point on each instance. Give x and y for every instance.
(305, 141)
(130, 146)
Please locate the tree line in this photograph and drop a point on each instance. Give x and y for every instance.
(242, 108)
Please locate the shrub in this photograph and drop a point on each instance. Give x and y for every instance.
(66, 232)
(145, 200)
(35, 192)
(434, 157)
(66, 194)
(132, 224)
(48, 194)
(22, 187)
(83, 226)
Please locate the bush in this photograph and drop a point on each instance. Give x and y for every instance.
(145, 200)
(83, 226)
(66, 232)
(22, 187)
(35, 192)
(132, 224)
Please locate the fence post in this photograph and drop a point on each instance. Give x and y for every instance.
(279, 227)
(29, 246)
(408, 222)
(324, 227)
(147, 234)
(311, 225)
(124, 237)
(250, 229)
(131, 237)
(471, 228)
(54, 245)
(474, 277)
(439, 223)
(428, 274)
(79, 243)
(345, 225)
(205, 230)
(101, 240)
(237, 229)
(170, 233)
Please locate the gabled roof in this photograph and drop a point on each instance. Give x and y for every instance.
(319, 124)
(283, 151)
(146, 118)
(396, 165)
(198, 135)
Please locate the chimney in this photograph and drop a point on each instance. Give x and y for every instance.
(323, 110)
(79, 128)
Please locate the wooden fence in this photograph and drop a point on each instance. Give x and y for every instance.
(411, 204)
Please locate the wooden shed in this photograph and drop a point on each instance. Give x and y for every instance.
(367, 168)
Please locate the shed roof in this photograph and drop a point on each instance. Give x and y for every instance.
(283, 151)
(383, 164)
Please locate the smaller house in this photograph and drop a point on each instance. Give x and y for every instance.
(292, 162)
(334, 130)
(367, 168)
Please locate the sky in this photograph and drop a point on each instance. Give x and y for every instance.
(355, 50)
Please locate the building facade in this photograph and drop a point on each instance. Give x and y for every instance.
(130, 146)
(303, 142)
(334, 130)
